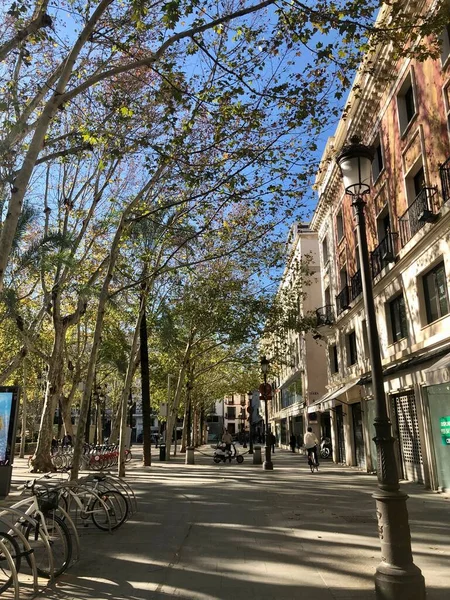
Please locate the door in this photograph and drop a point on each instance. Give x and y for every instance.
(340, 434)
(358, 436)
(407, 426)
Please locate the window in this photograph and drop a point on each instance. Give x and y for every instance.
(325, 251)
(378, 162)
(333, 355)
(351, 348)
(383, 224)
(435, 293)
(327, 297)
(415, 182)
(445, 43)
(339, 226)
(343, 277)
(397, 315)
(406, 104)
(231, 413)
(365, 339)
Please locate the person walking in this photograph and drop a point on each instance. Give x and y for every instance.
(292, 442)
(227, 439)
(311, 443)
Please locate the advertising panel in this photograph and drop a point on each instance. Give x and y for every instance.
(9, 408)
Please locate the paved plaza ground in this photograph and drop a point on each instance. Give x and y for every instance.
(235, 532)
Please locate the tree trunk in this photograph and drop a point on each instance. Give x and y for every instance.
(145, 391)
(184, 433)
(24, 412)
(126, 392)
(42, 462)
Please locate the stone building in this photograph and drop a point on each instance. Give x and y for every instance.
(405, 117)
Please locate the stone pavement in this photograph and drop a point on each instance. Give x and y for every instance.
(235, 532)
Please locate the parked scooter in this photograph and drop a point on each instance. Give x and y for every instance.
(325, 448)
(221, 454)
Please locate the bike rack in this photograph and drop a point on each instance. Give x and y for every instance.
(27, 550)
(22, 515)
(12, 566)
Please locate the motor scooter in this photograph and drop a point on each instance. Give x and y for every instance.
(221, 454)
(325, 448)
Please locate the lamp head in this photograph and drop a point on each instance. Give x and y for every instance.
(355, 162)
(264, 365)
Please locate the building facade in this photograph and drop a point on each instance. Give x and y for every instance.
(301, 374)
(405, 118)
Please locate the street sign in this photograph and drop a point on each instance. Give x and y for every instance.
(444, 426)
(265, 391)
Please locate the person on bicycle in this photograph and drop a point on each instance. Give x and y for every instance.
(311, 442)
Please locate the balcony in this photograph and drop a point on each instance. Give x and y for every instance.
(383, 254)
(422, 210)
(444, 172)
(325, 316)
(343, 300)
(355, 286)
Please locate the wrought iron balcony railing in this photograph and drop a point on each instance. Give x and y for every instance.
(355, 286)
(324, 316)
(444, 172)
(422, 210)
(384, 253)
(343, 300)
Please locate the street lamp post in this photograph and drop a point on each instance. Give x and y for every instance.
(396, 577)
(267, 464)
(250, 422)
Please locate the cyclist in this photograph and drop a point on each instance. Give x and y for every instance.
(311, 442)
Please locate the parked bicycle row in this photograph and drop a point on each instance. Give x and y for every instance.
(94, 458)
(39, 534)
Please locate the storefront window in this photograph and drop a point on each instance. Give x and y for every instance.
(439, 403)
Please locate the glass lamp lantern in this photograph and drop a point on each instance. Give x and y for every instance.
(355, 162)
(264, 365)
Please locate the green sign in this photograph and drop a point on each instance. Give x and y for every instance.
(444, 424)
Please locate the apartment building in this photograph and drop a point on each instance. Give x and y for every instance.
(405, 118)
(301, 375)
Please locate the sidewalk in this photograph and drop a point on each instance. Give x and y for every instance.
(235, 532)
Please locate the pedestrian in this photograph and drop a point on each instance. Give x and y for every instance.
(54, 445)
(227, 439)
(272, 441)
(292, 442)
(311, 443)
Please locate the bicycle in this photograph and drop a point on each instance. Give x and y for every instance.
(47, 528)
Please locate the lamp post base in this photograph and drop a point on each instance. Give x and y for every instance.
(394, 583)
(396, 577)
(267, 464)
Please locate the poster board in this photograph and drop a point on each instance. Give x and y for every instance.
(9, 411)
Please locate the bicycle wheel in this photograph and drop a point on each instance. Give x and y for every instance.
(116, 507)
(6, 577)
(60, 544)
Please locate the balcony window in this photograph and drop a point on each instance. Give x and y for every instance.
(397, 316)
(378, 161)
(406, 104)
(339, 226)
(445, 44)
(435, 291)
(333, 355)
(351, 348)
(325, 256)
(231, 413)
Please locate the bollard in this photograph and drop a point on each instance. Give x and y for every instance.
(257, 460)
(190, 456)
(162, 452)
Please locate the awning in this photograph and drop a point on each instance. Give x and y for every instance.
(439, 372)
(328, 401)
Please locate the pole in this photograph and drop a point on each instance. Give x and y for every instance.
(267, 464)
(396, 577)
(250, 423)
